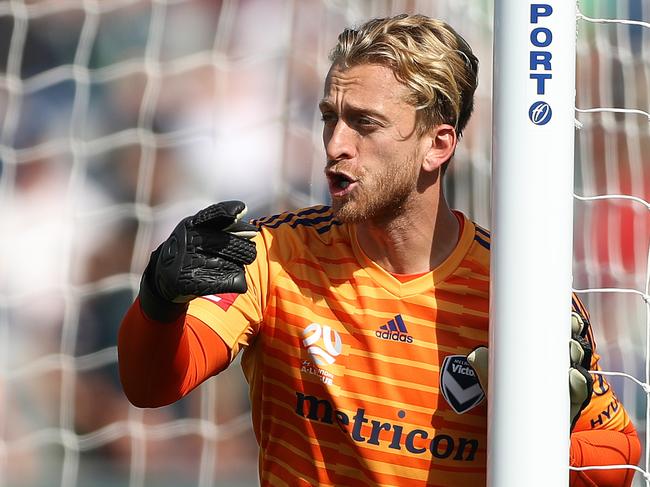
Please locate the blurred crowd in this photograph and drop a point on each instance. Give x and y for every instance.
(134, 116)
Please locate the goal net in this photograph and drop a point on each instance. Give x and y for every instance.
(119, 117)
(612, 196)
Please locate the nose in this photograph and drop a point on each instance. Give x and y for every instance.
(339, 140)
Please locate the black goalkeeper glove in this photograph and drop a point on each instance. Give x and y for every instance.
(580, 380)
(205, 254)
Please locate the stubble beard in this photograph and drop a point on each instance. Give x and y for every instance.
(380, 197)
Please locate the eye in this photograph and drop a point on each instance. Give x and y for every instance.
(329, 117)
(365, 121)
(365, 125)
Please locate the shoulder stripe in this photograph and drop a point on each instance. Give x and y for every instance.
(275, 223)
(482, 230)
(325, 228)
(288, 215)
(482, 242)
(298, 221)
(574, 303)
(579, 307)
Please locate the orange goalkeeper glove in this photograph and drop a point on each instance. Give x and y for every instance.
(205, 254)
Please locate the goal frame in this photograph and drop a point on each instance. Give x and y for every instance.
(532, 242)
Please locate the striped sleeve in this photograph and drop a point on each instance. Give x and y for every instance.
(236, 318)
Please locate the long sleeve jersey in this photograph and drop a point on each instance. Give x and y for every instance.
(357, 377)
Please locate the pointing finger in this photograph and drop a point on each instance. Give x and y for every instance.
(219, 215)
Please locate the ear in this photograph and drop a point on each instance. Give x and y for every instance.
(440, 146)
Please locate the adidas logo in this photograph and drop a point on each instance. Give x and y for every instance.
(394, 330)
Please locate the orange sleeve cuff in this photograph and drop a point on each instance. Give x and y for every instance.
(604, 447)
(161, 362)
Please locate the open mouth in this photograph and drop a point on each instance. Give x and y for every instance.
(340, 183)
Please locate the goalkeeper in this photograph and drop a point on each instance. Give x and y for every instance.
(355, 320)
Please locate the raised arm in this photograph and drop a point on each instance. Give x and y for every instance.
(163, 352)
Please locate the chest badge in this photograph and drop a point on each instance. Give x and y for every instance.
(459, 384)
(322, 342)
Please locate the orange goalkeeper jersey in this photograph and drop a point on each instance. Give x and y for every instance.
(358, 378)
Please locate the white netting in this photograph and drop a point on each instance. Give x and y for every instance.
(612, 191)
(118, 117)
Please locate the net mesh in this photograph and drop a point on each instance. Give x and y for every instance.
(612, 190)
(119, 117)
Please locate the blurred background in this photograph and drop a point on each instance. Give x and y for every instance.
(119, 117)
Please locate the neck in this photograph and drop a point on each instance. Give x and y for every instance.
(416, 241)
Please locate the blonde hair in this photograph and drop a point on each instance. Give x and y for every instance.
(432, 60)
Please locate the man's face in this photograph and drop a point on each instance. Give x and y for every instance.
(373, 149)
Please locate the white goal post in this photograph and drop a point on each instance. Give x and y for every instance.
(532, 235)
(533, 171)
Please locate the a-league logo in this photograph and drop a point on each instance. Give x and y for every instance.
(322, 342)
